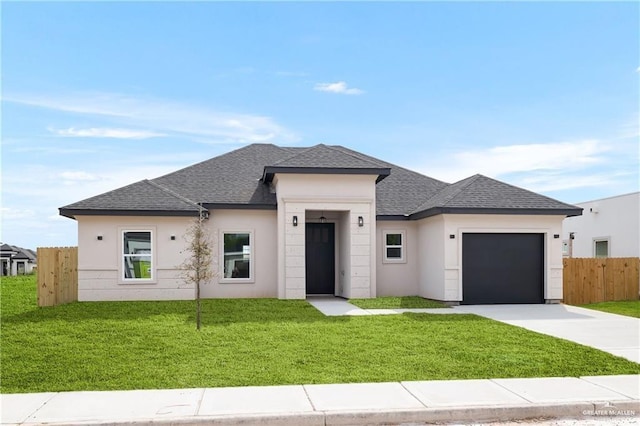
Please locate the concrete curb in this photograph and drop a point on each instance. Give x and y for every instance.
(573, 410)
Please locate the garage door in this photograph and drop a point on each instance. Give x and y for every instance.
(502, 268)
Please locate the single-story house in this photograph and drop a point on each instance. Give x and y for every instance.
(610, 227)
(16, 260)
(294, 222)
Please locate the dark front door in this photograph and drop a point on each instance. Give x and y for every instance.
(320, 258)
(502, 268)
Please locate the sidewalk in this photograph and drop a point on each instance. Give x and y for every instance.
(459, 401)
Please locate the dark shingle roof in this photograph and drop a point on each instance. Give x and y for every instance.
(323, 159)
(232, 178)
(327, 157)
(480, 193)
(239, 179)
(140, 196)
(402, 191)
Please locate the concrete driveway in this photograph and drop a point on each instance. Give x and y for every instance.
(616, 334)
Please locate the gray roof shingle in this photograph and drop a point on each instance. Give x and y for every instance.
(140, 196)
(238, 180)
(479, 193)
(322, 159)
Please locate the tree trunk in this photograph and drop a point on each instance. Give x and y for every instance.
(198, 322)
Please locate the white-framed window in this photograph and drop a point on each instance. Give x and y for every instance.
(601, 247)
(394, 246)
(137, 256)
(237, 256)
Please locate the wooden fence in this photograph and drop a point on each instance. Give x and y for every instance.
(57, 275)
(588, 280)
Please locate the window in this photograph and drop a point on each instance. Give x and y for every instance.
(237, 256)
(601, 248)
(137, 255)
(394, 246)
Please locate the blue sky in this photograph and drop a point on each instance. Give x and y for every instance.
(99, 95)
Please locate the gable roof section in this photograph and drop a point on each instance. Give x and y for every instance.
(323, 159)
(239, 179)
(140, 198)
(482, 195)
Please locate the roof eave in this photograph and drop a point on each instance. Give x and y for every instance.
(270, 171)
(239, 206)
(72, 213)
(568, 212)
(388, 217)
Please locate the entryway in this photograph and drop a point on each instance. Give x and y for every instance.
(320, 258)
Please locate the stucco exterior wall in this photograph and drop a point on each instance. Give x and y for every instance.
(100, 261)
(349, 195)
(262, 225)
(458, 224)
(398, 278)
(431, 274)
(615, 219)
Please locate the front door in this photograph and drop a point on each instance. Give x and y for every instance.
(320, 258)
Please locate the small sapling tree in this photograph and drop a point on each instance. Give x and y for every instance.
(197, 268)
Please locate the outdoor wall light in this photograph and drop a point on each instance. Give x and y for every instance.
(360, 221)
(556, 236)
(295, 221)
(173, 238)
(99, 237)
(452, 236)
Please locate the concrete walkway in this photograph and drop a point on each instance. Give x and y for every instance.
(335, 306)
(458, 401)
(616, 334)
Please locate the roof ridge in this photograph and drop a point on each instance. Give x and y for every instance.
(172, 193)
(462, 187)
(333, 148)
(293, 154)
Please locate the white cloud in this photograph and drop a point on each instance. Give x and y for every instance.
(97, 132)
(165, 117)
(337, 87)
(503, 160)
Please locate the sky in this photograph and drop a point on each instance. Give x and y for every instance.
(95, 96)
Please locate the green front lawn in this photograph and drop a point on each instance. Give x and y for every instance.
(630, 308)
(397, 302)
(143, 345)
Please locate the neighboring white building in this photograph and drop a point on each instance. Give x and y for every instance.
(608, 227)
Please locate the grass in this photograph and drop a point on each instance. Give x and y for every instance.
(630, 308)
(144, 345)
(397, 302)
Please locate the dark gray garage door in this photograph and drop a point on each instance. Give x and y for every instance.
(502, 268)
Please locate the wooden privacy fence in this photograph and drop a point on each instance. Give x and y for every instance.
(57, 275)
(589, 280)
